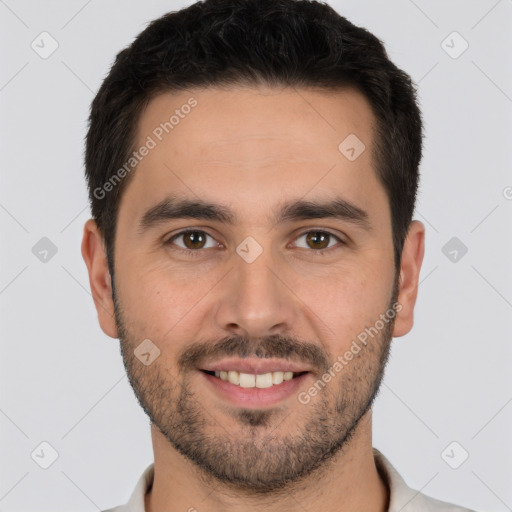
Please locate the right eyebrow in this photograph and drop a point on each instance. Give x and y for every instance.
(171, 208)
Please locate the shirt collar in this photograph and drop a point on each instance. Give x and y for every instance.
(402, 497)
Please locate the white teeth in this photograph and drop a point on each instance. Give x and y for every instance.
(248, 380)
(264, 381)
(277, 377)
(234, 377)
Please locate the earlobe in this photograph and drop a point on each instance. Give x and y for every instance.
(94, 255)
(412, 258)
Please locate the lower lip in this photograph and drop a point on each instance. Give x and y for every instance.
(255, 397)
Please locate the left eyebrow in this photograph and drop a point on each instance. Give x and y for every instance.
(337, 208)
(176, 208)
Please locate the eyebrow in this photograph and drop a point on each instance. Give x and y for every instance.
(176, 208)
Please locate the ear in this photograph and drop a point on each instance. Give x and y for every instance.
(412, 258)
(94, 254)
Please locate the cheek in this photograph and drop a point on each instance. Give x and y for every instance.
(347, 304)
(158, 301)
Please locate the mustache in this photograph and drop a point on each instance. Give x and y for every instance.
(274, 346)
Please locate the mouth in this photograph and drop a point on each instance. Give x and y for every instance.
(254, 390)
(255, 382)
(249, 380)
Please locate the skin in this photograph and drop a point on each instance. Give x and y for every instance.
(250, 149)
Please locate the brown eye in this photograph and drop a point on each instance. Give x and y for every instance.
(318, 240)
(192, 239)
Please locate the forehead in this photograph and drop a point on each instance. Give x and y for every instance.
(224, 117)
(243, 145)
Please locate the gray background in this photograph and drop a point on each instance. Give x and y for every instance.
(62, 379)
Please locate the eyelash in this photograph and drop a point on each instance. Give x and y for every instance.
(196, 252)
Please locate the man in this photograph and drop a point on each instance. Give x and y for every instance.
(252, 168)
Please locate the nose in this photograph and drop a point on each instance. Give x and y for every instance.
(256, 300)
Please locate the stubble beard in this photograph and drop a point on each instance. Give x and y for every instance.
(257, 451)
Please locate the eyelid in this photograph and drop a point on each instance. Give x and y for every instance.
(340, 240)
(170, 240)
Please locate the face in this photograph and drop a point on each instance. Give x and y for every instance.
(248, 242)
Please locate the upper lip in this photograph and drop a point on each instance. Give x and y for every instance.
(256, 366)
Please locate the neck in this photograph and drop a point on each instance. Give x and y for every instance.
(350, 481)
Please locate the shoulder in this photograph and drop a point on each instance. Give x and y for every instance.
(136, 501)
(433, 505)
(405, 499)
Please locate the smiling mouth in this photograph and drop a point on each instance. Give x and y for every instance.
(248, 380)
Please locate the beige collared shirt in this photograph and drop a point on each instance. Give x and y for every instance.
(402, 497)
